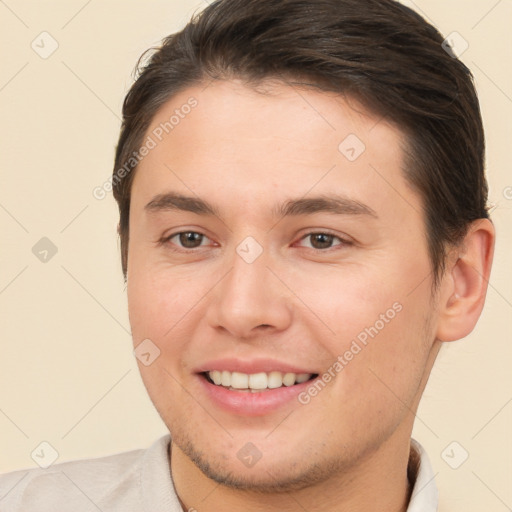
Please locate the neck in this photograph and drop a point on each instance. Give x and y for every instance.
(378, 482)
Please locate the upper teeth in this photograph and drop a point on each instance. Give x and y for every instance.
(261, 380)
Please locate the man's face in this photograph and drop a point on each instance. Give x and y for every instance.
(275, 279)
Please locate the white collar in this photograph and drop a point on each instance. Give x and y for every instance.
(424, 496)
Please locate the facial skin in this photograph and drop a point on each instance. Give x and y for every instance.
(247, 153)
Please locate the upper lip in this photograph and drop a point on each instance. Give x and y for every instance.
(251, 366)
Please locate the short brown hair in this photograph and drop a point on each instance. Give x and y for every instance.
(377, 51)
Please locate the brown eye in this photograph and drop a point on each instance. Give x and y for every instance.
(321, 240)
(190, 239)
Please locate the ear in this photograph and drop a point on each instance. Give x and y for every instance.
(464, 284)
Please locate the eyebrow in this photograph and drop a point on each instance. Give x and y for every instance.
(174, 201)
(335, 204)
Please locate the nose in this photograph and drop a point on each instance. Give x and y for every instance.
(249, 301)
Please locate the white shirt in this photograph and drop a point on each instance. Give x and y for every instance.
(135, 481)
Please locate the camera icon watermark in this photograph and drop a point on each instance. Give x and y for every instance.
(44, 455)
(249, 249)
(351, 147)
(507, 193)
(45, 45)
(455, 45)
(44, 250)
(249, 455)
(455, 455)
(146, 352)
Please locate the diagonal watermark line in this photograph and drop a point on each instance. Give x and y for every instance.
(418, 8)
(15, 424)
(492, 81)
(80, 80)
(76, 14)
(306, 101)
(420, 283)
(197, 302)
(81, 491)
(13, 13)
(300, 299)
(19, 481)
(198, 403)
(486, 14)
(208, 495)
(483, 483)
(492, 418)
(13, 76)
(279, 424)
(493, 287)
(210, 82)
(87, 413)
(500, 294)
(378, 122)
(13, 279)
(304, 195)
(95, 299)
(418, 491)
(393, 188)
(74, 218)
(401, 401)
(13, 217)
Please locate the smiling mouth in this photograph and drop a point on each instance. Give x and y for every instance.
(255, 382)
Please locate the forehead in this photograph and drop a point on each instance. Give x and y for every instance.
(229, 140)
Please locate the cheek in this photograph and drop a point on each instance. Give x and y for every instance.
(378, 332)
(159, 299)
(349, 301)
(161, 310)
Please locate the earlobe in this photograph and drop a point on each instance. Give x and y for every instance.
(465, 283)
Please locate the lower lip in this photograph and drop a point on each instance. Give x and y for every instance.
(247, 403)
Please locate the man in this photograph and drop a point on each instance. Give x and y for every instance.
(303, 223)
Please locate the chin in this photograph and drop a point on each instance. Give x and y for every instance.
(265, 476)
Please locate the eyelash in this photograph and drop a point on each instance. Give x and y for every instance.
(343, 242)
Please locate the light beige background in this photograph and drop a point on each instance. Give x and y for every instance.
(67, 374)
